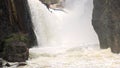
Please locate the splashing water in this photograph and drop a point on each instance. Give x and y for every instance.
(66, 38)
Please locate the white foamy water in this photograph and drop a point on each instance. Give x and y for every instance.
(66, 38)
(75, 58)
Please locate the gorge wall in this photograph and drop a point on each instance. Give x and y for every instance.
(15, 19)
(106, 22)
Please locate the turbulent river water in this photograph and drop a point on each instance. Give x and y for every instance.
(66, 38)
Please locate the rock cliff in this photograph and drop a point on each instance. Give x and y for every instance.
(15, 19)
(106, 22)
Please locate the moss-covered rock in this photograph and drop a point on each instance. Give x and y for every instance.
(16, 52)
(15, 48)
(15, 18)
(17, 37)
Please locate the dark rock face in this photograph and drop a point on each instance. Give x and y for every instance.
(0, 63)
(106, 22)
(5, 26)
(15, 18)
(4, 19)
(100, 22)
(16, 52)
(114, 15)
(24, 20)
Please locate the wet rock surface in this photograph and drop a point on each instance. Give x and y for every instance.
(15, 18)
(106, 22)
(1, 63)
(16, 52)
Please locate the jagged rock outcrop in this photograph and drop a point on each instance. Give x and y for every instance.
(53, 3)
(15, 18)
(106, 22)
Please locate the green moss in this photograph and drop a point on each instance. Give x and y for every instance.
(17, 37)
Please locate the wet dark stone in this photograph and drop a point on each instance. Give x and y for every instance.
(100, 22)
(0, 54)
(7, 64)
(106, 22)
(1, 63)
(16, 52)
(22, 64)
(15, 19)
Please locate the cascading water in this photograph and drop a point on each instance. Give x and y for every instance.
(66, 38)
(64, 28)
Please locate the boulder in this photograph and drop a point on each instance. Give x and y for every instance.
(16, 51)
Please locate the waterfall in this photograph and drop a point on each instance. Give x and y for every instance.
(69, 28)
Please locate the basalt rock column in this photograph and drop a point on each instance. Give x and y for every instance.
(106, 22)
